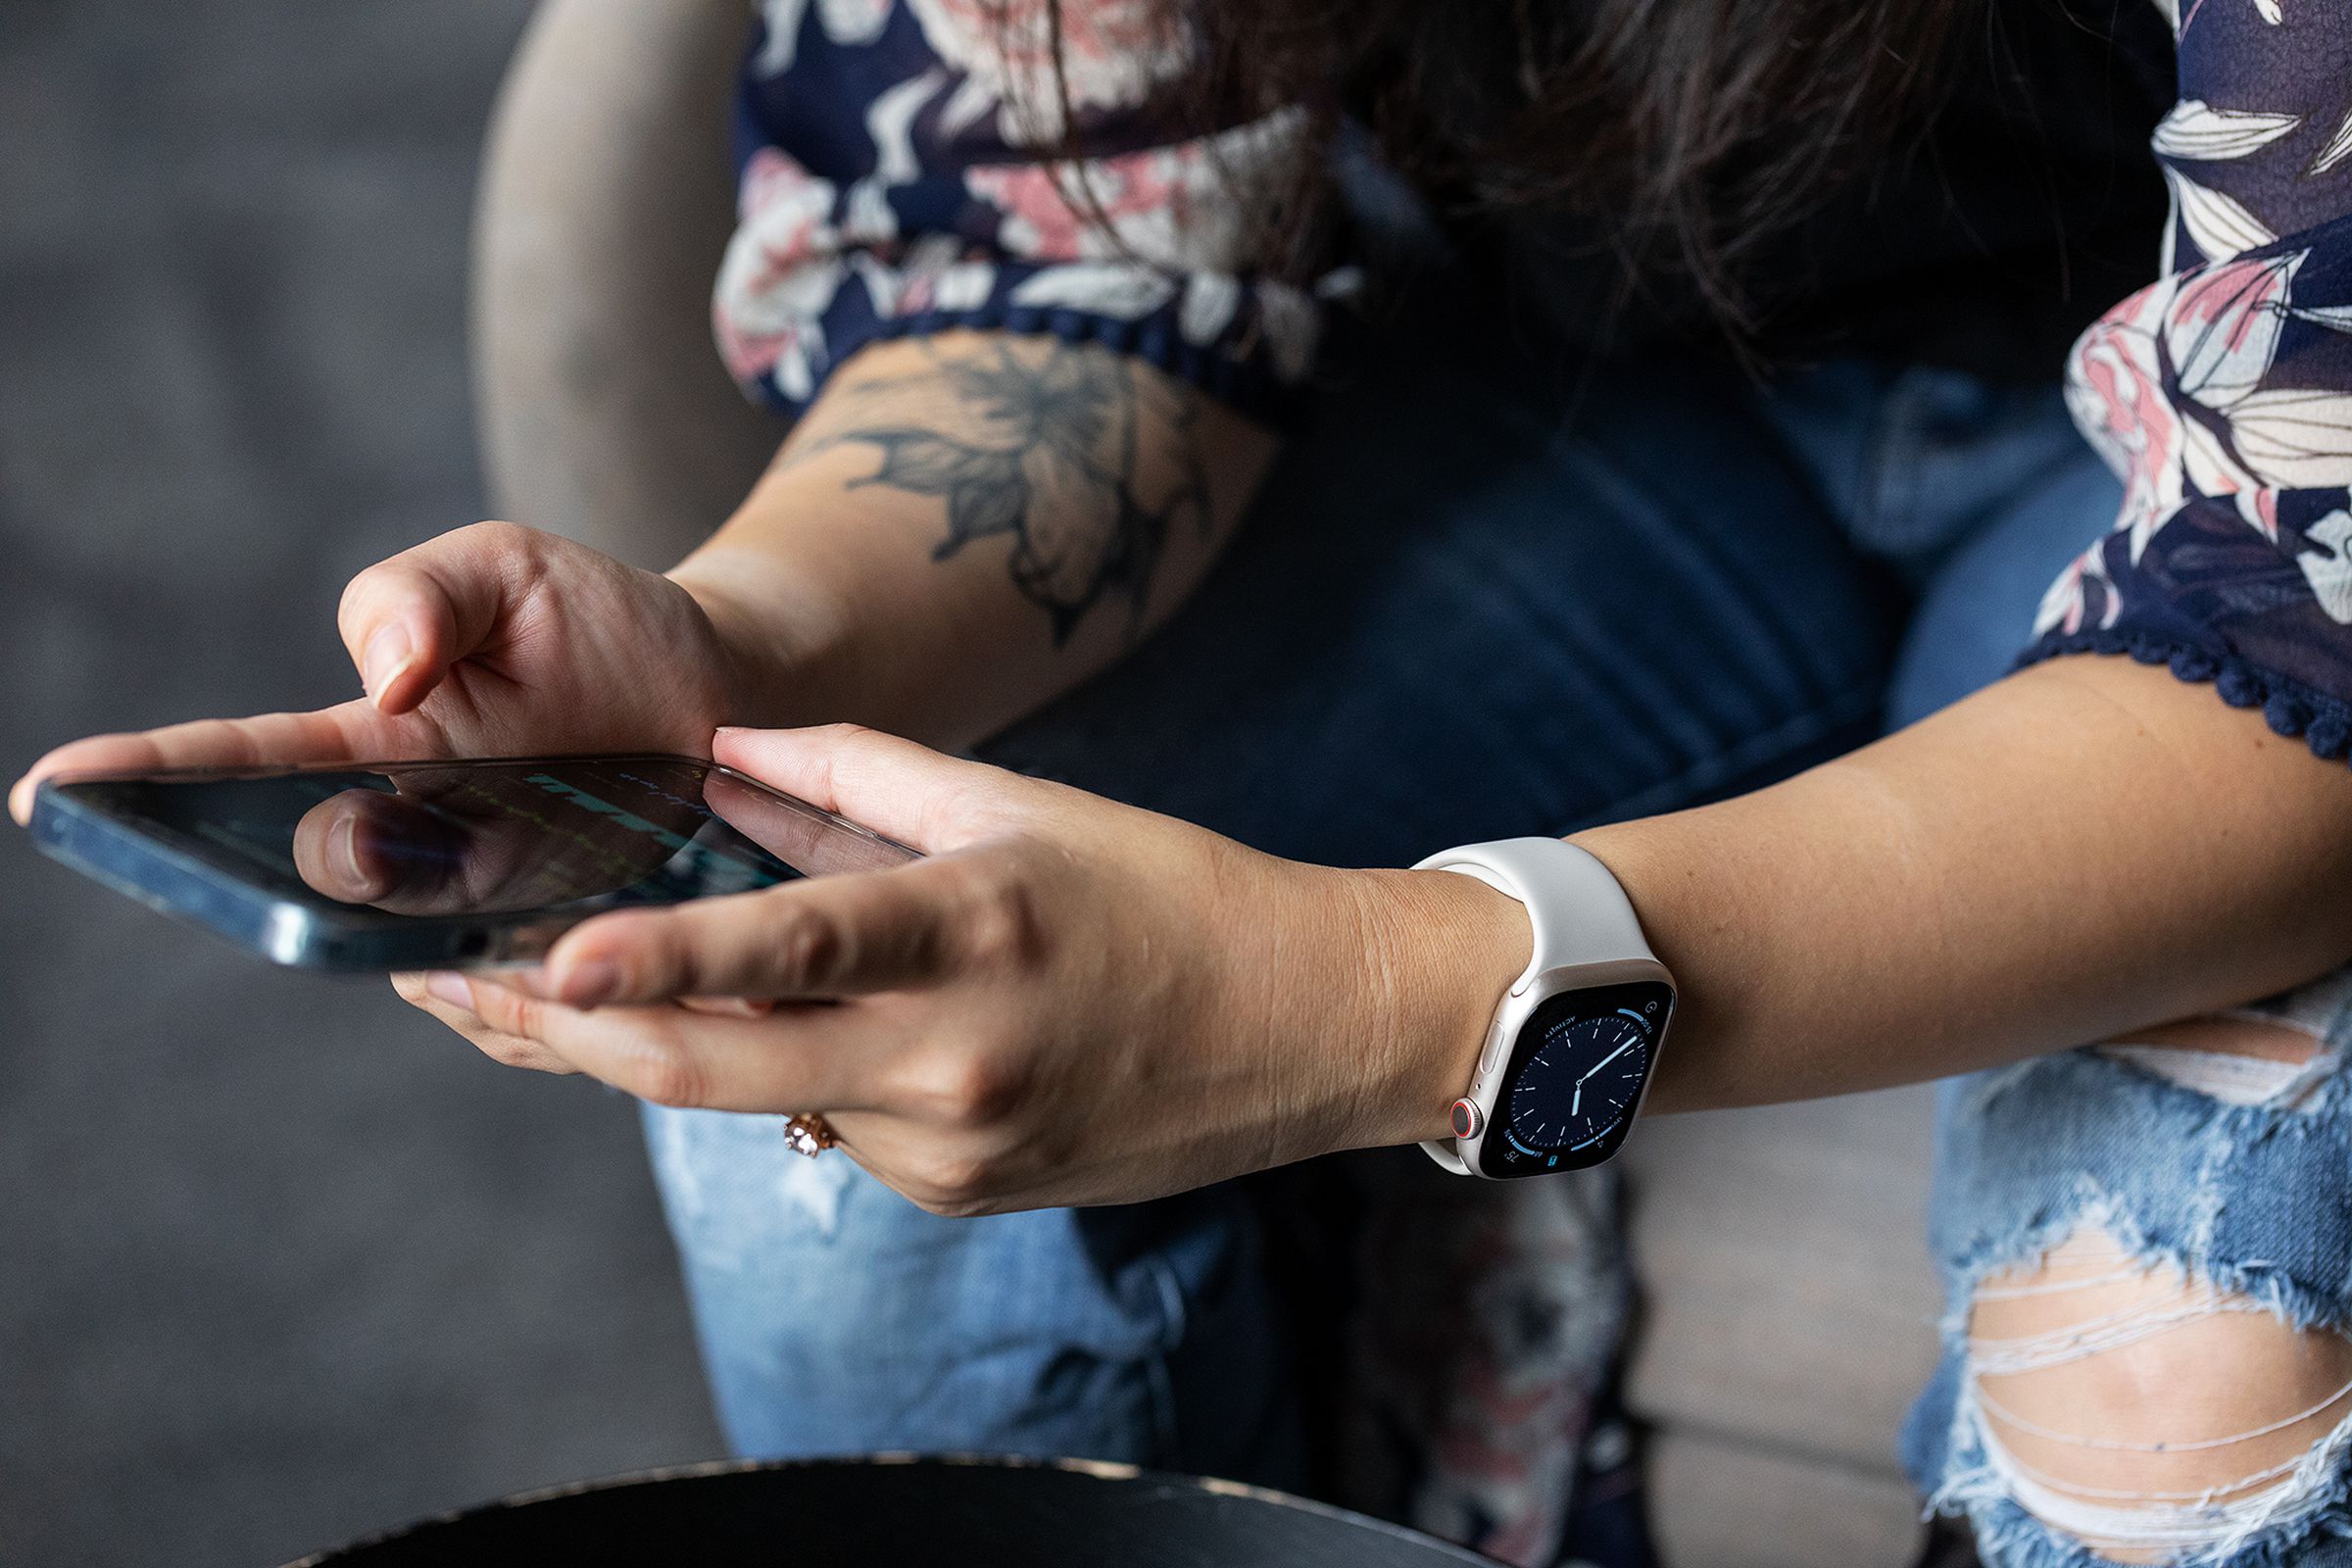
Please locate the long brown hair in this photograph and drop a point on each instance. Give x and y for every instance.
(1686, 133)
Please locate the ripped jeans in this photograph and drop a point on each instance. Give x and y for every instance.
(1461, 612)
(2149, 1251)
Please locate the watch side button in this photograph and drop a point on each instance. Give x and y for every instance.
(1488, 1058)
(1468, 1121)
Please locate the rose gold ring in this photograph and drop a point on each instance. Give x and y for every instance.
(810, 1134)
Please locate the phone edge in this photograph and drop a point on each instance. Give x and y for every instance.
(278, 930)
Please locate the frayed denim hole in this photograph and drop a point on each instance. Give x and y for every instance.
(2228, 1079)
(2248, 1059)
(2321, 1008)
(2069, 1495)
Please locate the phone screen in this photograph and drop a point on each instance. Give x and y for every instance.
(510, 839)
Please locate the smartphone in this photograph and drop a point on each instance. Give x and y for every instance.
(378, 867)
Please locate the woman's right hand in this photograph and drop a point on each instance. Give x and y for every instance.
(491, 640)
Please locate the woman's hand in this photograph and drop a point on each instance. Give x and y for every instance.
(488, 641)
(1069, 1001)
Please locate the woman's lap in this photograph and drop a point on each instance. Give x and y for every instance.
(1444, 622)
(836, 1317)
(1447, 620)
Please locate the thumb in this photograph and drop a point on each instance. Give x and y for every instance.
(405, 620)
(895, 787)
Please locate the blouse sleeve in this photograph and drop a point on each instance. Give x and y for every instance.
(899, 175)
(2221, 395)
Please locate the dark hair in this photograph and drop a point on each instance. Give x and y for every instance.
(1684, 132)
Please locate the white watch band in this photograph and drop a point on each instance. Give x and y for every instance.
(1580, 916)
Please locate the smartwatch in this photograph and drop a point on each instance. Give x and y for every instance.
(1569, 1054)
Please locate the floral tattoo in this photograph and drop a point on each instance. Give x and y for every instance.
(1085, 458)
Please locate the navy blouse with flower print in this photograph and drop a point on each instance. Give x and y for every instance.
(894, 181)
(2222, 394)
(897, 177)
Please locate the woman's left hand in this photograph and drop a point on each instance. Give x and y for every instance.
(1068, 1001)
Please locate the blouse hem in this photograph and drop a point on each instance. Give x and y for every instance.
(2288, 706)
(1245, 384)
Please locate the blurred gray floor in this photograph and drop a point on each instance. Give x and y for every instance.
(279, 1261)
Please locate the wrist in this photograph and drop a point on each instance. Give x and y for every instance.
(781, 640)
(1441, 950)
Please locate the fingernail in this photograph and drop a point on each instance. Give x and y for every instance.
(447, 985)
(343, 848)
(591, 982)
(386, 655)
(19, 801)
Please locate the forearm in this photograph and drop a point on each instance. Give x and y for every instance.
(2087, 847)
(963, 526)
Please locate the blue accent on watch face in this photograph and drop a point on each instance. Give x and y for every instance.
(1574, 1077)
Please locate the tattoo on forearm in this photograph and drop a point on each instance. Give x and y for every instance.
(1087, 459)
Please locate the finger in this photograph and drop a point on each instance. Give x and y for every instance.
(364, 846)
(432, 847)
(507, 1051)
(406, 619)
(809, 842)
(805, 1058)
(834, 936)
(335, 853)
(347, 732)
(910, 792)
(531, 980)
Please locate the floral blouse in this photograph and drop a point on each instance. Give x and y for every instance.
(897, 177)
(2222, 394)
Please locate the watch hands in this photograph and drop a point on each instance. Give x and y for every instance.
(1605, 1060)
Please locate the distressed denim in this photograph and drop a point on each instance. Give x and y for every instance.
(2247, 1194)
(1479, 599)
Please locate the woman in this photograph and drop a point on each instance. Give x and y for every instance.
(1688, 492)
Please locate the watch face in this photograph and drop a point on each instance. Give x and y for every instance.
(1574, 1078)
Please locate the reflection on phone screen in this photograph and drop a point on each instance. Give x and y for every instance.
(473, 838)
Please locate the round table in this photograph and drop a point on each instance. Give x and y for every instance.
(903, 1510)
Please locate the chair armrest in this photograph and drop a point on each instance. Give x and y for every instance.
(606, 200)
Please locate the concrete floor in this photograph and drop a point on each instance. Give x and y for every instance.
(280, 1262)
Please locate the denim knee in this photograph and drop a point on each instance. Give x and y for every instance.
(836, 1317)
(2149, 1250)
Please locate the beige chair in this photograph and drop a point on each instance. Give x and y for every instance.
(1790, 1304)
